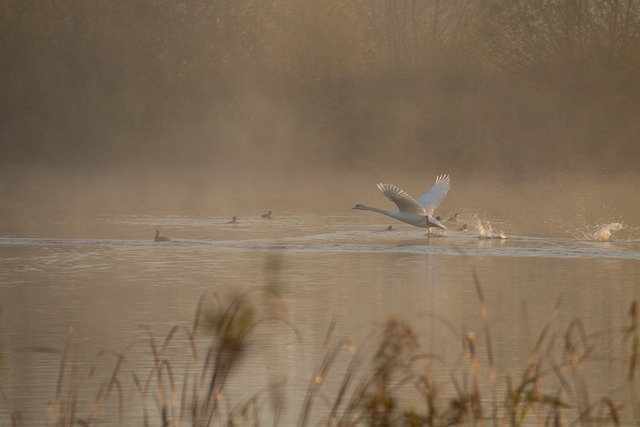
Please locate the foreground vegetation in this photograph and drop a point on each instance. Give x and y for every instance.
(398, 383)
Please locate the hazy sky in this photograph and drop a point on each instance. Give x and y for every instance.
(220, 87)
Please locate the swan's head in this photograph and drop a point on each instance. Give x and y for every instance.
(358, 206)
(433, 222)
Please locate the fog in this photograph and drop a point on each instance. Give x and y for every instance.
(120, 117)
(243, 105)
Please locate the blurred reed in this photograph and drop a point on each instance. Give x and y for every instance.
(369, 388)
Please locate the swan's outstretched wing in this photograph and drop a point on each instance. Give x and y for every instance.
(432, 198)
(405, 202)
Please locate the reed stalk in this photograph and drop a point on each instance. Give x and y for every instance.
(367, 385)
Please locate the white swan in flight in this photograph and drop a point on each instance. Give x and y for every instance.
(418, 213)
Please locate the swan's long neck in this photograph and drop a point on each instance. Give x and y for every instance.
(371, 208)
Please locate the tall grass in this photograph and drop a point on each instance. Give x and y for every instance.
(390, 379)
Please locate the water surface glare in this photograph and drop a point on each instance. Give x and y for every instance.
(363, 242)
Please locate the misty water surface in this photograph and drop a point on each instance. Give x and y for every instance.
(101, 275)
(118, 119)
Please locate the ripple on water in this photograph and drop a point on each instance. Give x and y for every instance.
(365, 241)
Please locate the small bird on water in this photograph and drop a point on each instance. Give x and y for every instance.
(234, 220)
(160, 238)
(267, 215)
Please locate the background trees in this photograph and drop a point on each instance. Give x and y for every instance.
(543, 83)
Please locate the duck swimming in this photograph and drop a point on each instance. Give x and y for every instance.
(160, 238)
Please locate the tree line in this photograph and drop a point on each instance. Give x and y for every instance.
(552, 83)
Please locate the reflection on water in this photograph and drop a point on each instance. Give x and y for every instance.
(326, 268)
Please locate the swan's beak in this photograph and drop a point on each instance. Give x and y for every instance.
(435, 223)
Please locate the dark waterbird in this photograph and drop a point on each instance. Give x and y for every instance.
(160, 238)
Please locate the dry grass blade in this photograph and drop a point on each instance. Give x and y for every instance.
(116, 371)
(72, 389)
(157, 372)
(172, 389)
(118, 387)
(369, 390)
(614, 413)
(168, 339)
(317, 379)
(48, 350)
(16, 419)
(484, 310)
(631, 333)
(348, 377)
(63, 364)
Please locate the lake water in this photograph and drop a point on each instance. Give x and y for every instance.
(96, 283)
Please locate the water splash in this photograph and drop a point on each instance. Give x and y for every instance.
(604, 232)
(486, 231)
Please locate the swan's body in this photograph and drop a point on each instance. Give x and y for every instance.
(160, 238)
(418, 213)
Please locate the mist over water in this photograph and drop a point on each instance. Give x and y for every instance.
(257, 106)
(208, 88)
(119, 119)
(556, 205)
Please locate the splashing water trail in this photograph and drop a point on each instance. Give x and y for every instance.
(486, 231)
(604, 232)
